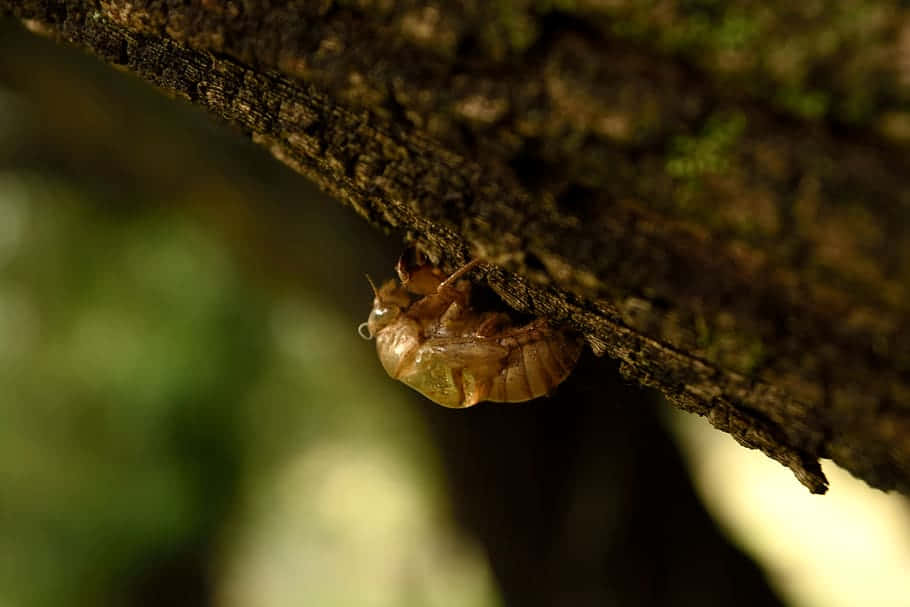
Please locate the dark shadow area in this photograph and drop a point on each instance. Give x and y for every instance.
(581, 499)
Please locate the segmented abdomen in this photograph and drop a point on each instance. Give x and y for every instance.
(534, 367)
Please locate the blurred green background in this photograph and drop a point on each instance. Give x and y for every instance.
(188, 417)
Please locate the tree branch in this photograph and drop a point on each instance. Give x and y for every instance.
(735, 237)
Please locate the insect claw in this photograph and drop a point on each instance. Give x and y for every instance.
(402, 269)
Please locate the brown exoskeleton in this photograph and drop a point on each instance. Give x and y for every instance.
(429, 337)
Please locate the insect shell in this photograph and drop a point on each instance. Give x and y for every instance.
(429, 337)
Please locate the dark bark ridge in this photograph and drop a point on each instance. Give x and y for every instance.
(738, 249)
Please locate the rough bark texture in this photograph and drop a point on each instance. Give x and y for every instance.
(717, 195)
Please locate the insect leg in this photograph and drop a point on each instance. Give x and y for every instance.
(410, 258)
(538, 328)
(491, 324)
(452, 314)
(446, 293)
(448, 282)
(443, 298)
(401, 268)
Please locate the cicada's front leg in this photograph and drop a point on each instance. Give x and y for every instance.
(449, 299)
(416, 275)
(492, 323)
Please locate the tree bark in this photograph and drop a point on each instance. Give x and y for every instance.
(716, 197)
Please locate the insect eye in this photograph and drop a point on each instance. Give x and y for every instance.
(383, 315)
